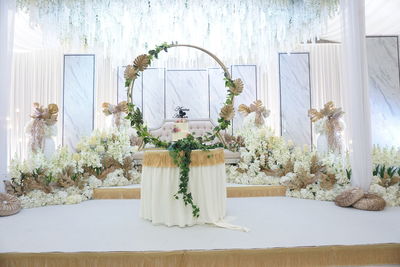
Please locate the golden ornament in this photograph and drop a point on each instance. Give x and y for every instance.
(257, 107)
(237, 89)
(130, 72)
(53, 108)
(245, 110)
(141, 62)
(227, 112)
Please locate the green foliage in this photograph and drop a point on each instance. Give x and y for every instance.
(154, 52)
(348, 174)
(98, 170)
(49, 178)
(381, 170)
(391, 171)
(75, 177)
(376, 170)
(180, 151)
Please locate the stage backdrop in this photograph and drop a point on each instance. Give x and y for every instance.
(38, 77)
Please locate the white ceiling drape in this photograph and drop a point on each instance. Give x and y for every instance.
(356, 97)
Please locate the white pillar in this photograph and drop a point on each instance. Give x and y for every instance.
(7, 12)
(355, 91)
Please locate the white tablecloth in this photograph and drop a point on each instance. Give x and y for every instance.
(207, 183)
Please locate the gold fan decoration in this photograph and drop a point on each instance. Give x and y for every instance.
(328, 111)
(257, 107)
(130, 72)
(227, 112)
(116, 111)
(237, 89)
(141, 62)
(333, 126)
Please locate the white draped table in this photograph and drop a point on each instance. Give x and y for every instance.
(160, 181)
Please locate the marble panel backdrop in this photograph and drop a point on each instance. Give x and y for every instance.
(384, 89)
(137, 88)
(78, 97)
(295, 97)
(187, 88)
(154, 96)
(248, 74)
(218, 92)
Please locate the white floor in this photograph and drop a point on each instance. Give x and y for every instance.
(114, 225)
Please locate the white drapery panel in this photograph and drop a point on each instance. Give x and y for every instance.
(326, 77)
(270, 92)
(7, 13)
(106, 88)
(37, 77)
(356, 97)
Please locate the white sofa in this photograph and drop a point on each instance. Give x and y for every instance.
(198, 127)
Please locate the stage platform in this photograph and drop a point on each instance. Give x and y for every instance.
(283, 232)
(232, 190)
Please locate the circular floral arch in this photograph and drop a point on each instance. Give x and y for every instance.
(180, 150)
(141, 62)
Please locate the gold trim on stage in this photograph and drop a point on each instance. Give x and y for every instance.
(297, 256)
(256, 191)
(232, 191)
(152, 158)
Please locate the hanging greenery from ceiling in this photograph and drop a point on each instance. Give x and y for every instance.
(234, 29)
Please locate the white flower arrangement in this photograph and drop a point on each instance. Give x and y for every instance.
(314, 191)
(265, 155)
(116, 178)
(386, 180)
(113, 143)
(386, 156)
(263, 159)
(390, 194)
(263, 150)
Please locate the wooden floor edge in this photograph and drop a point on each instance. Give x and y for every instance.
(232, 191)
(377, 254)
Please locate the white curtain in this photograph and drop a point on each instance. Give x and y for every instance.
(356, 99)
(106, 88)
(7, 13)
(36, 77)
(326, 77)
